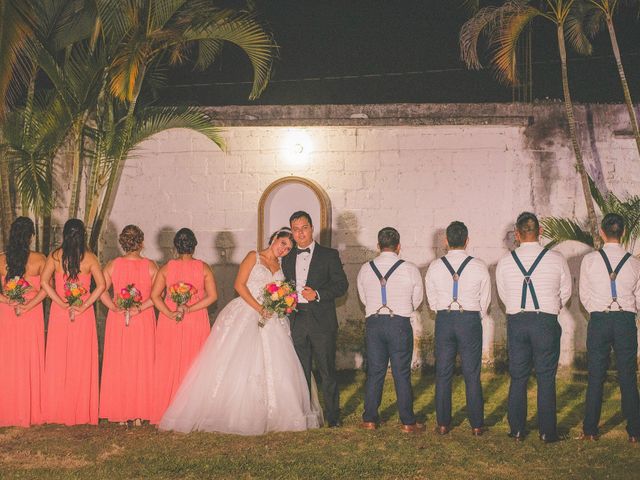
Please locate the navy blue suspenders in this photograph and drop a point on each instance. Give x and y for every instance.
(613, 274)
(456, 277)
(383, 283)
(527, 284)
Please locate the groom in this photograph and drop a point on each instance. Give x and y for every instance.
(319, 278)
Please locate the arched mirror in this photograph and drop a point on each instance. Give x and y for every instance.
(290, 194)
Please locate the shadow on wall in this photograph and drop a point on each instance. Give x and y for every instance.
(224, 270)
(350, 344)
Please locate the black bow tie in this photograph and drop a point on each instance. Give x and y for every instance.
(303, 250)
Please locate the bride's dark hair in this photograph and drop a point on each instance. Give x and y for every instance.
(284, 232)
(17, 253)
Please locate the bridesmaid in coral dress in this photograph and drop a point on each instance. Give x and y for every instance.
(182, 330)
(21, 330)
(127, 362)
(70, 391)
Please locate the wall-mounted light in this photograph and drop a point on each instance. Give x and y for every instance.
(297, 146)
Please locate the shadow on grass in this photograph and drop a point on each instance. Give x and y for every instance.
(355, 398)
(493, 394)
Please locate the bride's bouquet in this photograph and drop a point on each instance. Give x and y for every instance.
(278, 298)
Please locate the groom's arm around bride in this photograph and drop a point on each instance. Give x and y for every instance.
(320, 279)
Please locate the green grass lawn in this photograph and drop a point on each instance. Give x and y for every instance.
(110, 451)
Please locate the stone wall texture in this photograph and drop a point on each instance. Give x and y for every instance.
(414, 167)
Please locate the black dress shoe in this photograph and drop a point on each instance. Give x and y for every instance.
(549, 438)
(518, 436)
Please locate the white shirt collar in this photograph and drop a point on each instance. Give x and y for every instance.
(389, 254)
(612, 245)
(457, 251)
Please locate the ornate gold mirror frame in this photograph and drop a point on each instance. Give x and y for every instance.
(324, 222)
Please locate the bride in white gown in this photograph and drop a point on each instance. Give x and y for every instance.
(247, 379)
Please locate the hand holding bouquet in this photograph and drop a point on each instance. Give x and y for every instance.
(73, 293)
(278, 298)
(15, 289)
(129, 297)
(181, 293)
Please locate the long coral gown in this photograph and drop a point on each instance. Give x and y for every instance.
(178, 343)
(127, 362)
(21, 362)
(70, 391)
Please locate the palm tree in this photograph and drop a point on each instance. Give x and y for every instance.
(558, 230)
(113, 147)
(503, 25)
(13, 32)
(98, 70)
(595, 14)
(140, 38)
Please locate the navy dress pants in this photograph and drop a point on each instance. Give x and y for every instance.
(459, 332)
(617, 331)
(388, 339)
(533, 340)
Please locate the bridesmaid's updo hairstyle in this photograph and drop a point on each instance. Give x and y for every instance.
(73, 247)
(185, 241)
(284, 232)
(17, 253)
(131, 238)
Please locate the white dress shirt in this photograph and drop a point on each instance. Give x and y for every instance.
(404, 287)
(303, 261)
(551, 280)
(595, 284)
(474, 285)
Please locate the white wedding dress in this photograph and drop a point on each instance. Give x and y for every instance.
(247, 379)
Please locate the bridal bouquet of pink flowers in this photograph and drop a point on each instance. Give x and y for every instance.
(279, 298)
(129, 297)
(181, 293)
(15, 289)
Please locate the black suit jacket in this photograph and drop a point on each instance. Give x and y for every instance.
(327, 277)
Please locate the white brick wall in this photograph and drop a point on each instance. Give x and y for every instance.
(415, 178)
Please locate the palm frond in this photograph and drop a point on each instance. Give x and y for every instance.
(152, 120)
(162, 11)
(516, 16)
(208, 51)
(246, 32)
(13, 32)
(559, 230)
(471, 32)
(576, 33)
(126, 68)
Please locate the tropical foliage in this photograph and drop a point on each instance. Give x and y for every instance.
(81, 78)
(594, 15)
(559, 230)
(502, 27)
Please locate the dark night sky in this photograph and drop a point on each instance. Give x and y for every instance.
(343, 38)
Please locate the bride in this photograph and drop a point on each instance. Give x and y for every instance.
(247, 379)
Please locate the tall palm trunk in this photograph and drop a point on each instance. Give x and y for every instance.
(78, 148)
(623, 79)
(6, 207)
(568, 105)
(114, 176)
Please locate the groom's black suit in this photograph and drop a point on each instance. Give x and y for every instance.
(314, 327)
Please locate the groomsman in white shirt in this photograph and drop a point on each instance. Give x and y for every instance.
(459, 290)
(391, 290)
(610, 292)
(534, 283)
